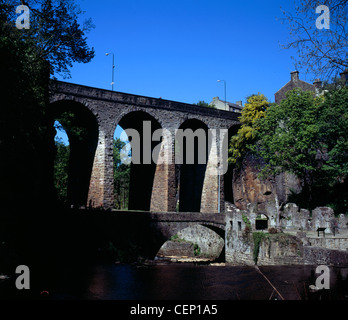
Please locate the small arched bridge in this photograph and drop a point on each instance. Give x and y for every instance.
(150, 230)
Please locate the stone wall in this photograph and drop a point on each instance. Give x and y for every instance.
(238, 248)
(274, 249)
(336, 243)
(281, 247)
(294, 218)
(328, 257)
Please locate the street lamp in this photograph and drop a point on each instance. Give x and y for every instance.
(225, 93)
(113, 68)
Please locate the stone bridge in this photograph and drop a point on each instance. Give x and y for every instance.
(149, 230)
(154, 186)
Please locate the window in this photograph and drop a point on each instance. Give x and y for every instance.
(261, 222)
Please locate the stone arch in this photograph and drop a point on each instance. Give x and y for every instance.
(144, 157)
(123, 110)
(81, 126)
(209, 238)
(191, 163)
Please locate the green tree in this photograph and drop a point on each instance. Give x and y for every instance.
(61, 168)
(307, 136)
(202, 103)
(55, 34)
(333, 136)
(27, 59)
(121, 175)
(241, 143)
(287, 138)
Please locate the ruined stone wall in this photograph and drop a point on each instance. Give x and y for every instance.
(238, 248)
(294, 218)
(328, 257)
(282, 248)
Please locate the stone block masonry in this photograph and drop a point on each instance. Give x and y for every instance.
(284, 247)
(110, 108)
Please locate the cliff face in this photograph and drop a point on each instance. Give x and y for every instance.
(248, 188)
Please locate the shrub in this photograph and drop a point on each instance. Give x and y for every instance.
(257, 237)
(196, 249)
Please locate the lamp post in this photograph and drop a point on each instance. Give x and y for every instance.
(113, 68)
(225, 93)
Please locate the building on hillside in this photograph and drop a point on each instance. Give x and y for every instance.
(295, 82)
(228, 106)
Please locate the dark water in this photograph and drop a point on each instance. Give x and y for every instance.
(190, 281)
(184, 282)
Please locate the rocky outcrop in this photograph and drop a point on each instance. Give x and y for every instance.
(248, 187)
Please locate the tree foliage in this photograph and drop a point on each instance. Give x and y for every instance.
(334, 135)
(27, 59)
(55, 34)
(121, 175)
(61, 170)
(202, 103)
(287, 136)
(307, 136)
(253, 110)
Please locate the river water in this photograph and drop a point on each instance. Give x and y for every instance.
(184, 281)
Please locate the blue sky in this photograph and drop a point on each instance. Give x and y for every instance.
(178, 49)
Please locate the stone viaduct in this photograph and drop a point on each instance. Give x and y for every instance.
(158, 187)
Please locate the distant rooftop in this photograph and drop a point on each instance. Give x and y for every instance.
(228, 106)
(295, 82)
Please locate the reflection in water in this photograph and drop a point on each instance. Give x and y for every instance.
(180, 281)
(190, 281)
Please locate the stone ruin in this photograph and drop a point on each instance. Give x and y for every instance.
(293, 239)
(257, 196)
(293, 218)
